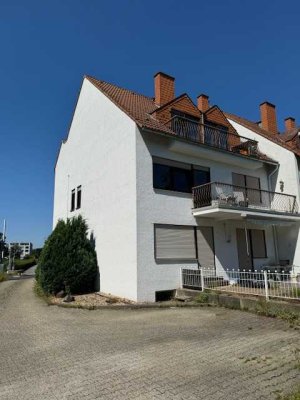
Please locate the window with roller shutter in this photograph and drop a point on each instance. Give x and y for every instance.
(173, 242)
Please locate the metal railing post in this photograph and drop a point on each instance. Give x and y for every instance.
(202, 280)
(181, 283)
(266, 285)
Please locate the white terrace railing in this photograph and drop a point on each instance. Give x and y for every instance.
(269, 284)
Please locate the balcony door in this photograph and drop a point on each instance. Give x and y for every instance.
(248, 190)
(251, 245)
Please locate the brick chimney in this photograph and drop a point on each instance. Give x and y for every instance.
(290, 124)
(268, 117)
(164, 88)
(202, 102)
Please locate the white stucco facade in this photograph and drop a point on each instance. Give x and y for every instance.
(100, 156)
(111, 159)
(164, 207)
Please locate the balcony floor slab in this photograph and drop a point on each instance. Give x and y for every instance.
(223, 213)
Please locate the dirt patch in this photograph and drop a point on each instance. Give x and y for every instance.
(92, 300)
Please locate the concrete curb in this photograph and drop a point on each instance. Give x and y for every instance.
(257, 305)
(129, 306)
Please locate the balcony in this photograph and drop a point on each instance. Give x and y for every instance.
(217, 199)
(196, 132)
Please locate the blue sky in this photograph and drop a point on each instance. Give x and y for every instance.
(239, 53)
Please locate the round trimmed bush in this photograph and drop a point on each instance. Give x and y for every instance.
(68, 259)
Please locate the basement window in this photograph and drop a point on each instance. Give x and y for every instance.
(164, 295)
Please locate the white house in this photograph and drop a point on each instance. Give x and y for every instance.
(164, 184)
(25, 248)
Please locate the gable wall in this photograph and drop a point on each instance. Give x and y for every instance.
(216, 116)
(100, 156)
(183, 104)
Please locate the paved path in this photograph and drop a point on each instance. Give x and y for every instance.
(49, 353)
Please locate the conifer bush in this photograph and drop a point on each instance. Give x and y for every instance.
(68, 259)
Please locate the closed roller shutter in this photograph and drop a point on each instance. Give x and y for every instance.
(174, 242)
(205, 243)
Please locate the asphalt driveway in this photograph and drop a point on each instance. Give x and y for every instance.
(206, 353)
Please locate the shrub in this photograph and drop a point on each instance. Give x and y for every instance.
(25, 263)
(2, 277)
(202, 298)
(68, 259)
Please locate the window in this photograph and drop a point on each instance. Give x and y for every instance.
(78, 205)
(176, 176)
(258, 243)
(216, 135)
(183, 243)
(73, 200)
(185, 125)
(174, 242)
(200, 176)
(249, 183)
(162, 178)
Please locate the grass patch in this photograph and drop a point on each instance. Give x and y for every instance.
(202, 298)
(264, 308)
(3, 277)
(40, 293)
(25, 263)
(293, 396)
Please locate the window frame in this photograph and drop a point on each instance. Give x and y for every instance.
(73, 200)
(264, 242)
(177, 165)
(78, 197)
(248, 188)
(193, 228)
(168, 260)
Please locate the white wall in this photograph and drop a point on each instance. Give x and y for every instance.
(155, 206)
(100, 156)
(288, 238)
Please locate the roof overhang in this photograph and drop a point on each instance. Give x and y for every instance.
(183, 146)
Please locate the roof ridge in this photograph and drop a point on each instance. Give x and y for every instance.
(119, 87)
(254, 123)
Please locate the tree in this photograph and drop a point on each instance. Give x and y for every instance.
(68, 259)
(3, 247)
(37, 252)
(15, 251)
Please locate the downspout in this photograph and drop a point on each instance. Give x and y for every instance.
(275, 239)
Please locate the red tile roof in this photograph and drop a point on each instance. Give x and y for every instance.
(287, 136)
(136, 106)
(280, 139)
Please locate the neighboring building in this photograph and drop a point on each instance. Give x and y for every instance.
(25, 248)
(164, 184)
